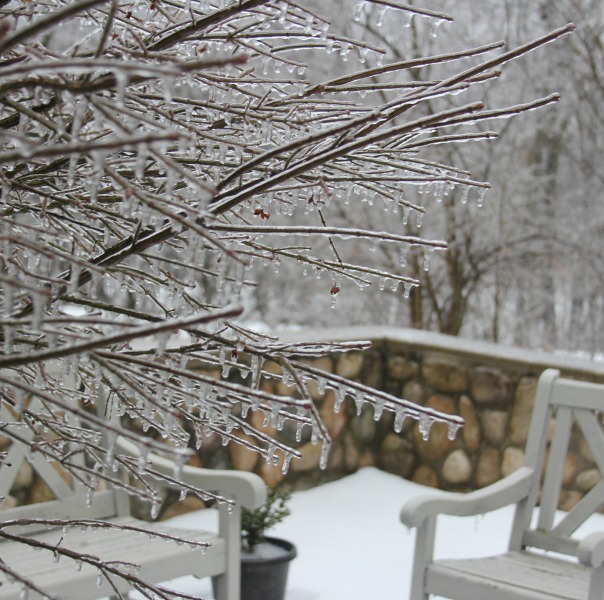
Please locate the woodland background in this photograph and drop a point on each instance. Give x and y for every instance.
(527, 267)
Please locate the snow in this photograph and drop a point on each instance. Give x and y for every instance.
(351, 544)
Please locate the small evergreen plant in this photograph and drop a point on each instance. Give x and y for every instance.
(254, 523)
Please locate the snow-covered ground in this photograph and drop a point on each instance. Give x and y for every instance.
(351, 544)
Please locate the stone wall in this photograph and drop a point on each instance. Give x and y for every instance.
(491, 387)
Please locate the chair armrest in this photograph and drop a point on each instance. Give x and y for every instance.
(591, 549)
(247, 489)
(506, 491)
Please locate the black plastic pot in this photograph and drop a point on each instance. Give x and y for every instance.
(264, 572)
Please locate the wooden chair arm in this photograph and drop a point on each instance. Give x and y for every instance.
(507, 491)
(591, 549)
(247, 489)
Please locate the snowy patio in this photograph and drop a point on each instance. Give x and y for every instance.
(351, 545)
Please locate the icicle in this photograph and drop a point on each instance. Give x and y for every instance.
(121, 83)
(141, 161)
(74, 279)
(344, 50)
(324, 455)
(452, 430)
(78, 565)
(286, 378)
(39, 302)
(19, 398)
(340, 397)
(399, 418)
(439, 190)
(408, 287)
(425, 423)
(109, 458)
(281, 422)
(168, 87)
(99, 579)
(170, 182)
(419, 218)
(308, 26)
(427, 256)
(314, 436)
(286, 461)
(358, 10)
(162, 343)
(282, 13)
(379, 20)
(378, 409)
(222, 353)
(24, 592)
(333, 300)
(155, 506)
(434, 26)
(403, 256)
(273, 415)
(143, 459)
(358, 402)
(270, 454)
(464, 194)
(179, 462)
(408, 19)
(198, 437)
(299, 429)
(73, 163)
(482, 192)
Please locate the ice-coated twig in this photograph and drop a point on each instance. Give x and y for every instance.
(165, 161)
(118, 338)
(344, 233)
(26, 582)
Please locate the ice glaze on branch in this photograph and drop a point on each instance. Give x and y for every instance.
(154, 157)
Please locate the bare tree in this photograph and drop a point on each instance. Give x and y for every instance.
(525, 267)
(154, 152)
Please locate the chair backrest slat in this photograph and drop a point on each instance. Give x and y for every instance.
(9, 468)
(69, 496)
(592, 431)
(554, 471)
(579, 513)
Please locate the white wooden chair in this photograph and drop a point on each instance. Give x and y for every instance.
(159, 560)
(544, 561)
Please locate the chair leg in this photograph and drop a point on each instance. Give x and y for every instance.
(596, 584)
(424, 551)
(228, 585)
